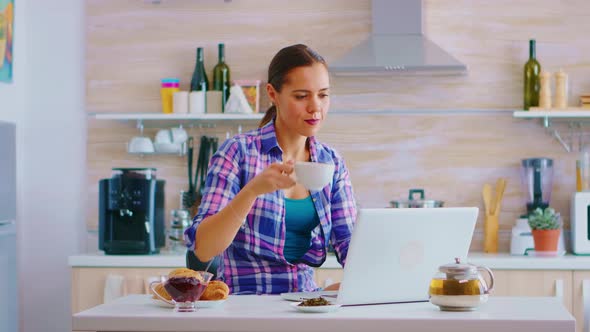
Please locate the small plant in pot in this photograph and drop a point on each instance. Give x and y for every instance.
(546, 227)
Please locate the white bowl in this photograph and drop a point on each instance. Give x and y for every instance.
(140, 144)
(313, 176)
(167, 147)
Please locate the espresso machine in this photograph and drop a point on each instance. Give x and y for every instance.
(536, 175)
(131, 212)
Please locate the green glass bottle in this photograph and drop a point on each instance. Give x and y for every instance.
(221, 77)
(532, 69)
(199, 80)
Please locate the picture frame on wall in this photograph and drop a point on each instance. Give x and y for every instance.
(6, 40)
(251, 89)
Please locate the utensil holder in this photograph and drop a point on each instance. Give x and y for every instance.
(490, 239)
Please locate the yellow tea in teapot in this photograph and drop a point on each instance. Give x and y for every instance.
(455, 287)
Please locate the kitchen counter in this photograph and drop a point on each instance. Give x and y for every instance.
(502, 261)
(249, 313)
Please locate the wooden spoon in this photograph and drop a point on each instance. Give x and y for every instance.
(500, 187)
(487, 197)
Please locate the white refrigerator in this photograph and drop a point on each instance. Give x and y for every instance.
(8, 273)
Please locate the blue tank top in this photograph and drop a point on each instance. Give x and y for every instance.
(300, 219)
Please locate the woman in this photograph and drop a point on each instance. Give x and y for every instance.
(269, 229)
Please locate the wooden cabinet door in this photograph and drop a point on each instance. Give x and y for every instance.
(326, 277)
(581, 292)
(535, 283)
(88, 283)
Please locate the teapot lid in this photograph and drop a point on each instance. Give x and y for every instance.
(458, 268)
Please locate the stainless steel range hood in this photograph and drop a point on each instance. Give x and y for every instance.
(397, 45)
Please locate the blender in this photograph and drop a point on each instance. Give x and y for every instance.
(537, 179)
(536, 175)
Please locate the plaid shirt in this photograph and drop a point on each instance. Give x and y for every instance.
(254, 262)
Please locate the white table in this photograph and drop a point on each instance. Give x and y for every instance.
(253, 313)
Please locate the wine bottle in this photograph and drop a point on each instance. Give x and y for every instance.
(221, 77)
(199, 80)
(532, 69)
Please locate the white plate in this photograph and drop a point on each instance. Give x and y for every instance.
(298, 296)
(161, 303)
(200, 304)
(316, 309)
(210, 304)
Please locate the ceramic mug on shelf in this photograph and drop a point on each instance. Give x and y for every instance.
(140, 144)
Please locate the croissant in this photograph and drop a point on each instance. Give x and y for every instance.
(216, 290)
(183, 272)
(159, 288)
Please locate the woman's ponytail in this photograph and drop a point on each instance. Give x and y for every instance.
(268, 116)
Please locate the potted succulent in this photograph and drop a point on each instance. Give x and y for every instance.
(546, 227)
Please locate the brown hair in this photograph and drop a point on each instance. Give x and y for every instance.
(284, 61)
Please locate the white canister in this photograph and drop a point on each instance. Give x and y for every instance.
(561, 89)
(214, 102)
(197, 104)
(180, 102)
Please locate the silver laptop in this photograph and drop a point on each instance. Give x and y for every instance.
(394, 253)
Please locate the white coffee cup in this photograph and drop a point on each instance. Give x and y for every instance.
(313, 176)
(140, 144)
(171, 136)
(179, 135)
(163, 136)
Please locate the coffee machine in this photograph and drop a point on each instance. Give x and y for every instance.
(131, 212)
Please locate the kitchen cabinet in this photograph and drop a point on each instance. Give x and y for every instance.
(88, 283)
(581, 299)
(326, 277)
(573, 287)
(556, 283)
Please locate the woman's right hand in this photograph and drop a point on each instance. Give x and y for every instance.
(274, 177)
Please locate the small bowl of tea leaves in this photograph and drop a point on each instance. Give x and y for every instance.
(318, 301)
(316, 305)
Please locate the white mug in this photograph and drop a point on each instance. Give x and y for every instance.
(314, 176)
(140, 144)
(178, 135)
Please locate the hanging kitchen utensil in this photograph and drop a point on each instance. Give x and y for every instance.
(198, 171)
(205, 165)
(188, 197)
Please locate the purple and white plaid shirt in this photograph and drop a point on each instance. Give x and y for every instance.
(254, 262)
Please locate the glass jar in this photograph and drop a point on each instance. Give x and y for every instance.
(168, 88)
(460, 287)
(178, 223)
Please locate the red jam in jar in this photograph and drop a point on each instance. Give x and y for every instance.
(185, 289)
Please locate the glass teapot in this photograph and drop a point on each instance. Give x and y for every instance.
(460, 287)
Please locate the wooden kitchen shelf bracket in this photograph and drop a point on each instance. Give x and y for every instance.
(575, 119)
